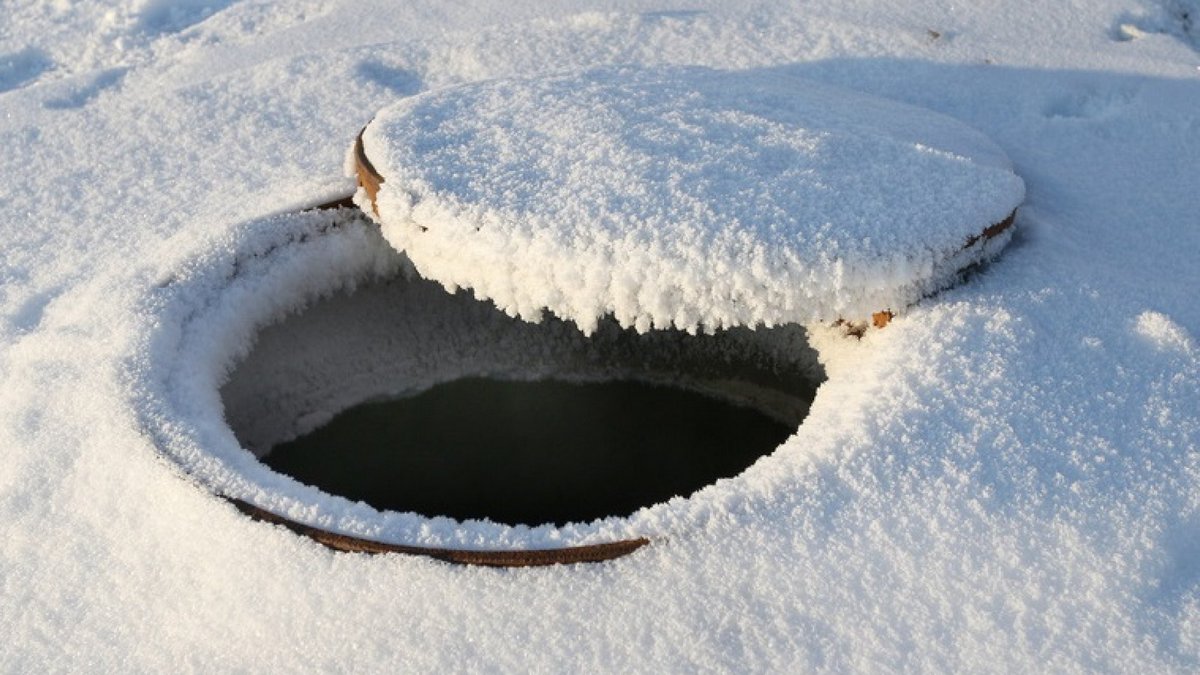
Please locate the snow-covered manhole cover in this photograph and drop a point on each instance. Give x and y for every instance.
(683, 197)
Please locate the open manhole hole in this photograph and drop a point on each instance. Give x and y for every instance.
(411, 399)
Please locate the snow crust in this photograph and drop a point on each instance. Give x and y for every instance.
(1005, 478)
(683, 197)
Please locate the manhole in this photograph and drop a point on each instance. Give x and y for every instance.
(662, 236)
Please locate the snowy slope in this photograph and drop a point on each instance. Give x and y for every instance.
(1005, 478)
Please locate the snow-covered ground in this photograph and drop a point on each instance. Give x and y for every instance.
(1005, 478)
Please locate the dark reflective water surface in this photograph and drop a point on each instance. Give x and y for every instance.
(530, 452)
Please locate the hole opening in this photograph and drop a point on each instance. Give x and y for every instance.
(410, 398)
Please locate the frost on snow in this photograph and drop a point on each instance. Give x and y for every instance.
(684, 197)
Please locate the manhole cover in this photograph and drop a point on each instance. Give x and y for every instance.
(683, 197)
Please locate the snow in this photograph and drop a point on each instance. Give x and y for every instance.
(683, 197)
(1163, 333)
(1007, 477)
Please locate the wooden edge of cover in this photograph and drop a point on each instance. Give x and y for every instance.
(539, 557)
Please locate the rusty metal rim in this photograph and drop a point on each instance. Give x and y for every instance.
(537, 557)
(368, 178)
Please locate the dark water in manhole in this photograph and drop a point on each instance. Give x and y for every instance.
(530, 452)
